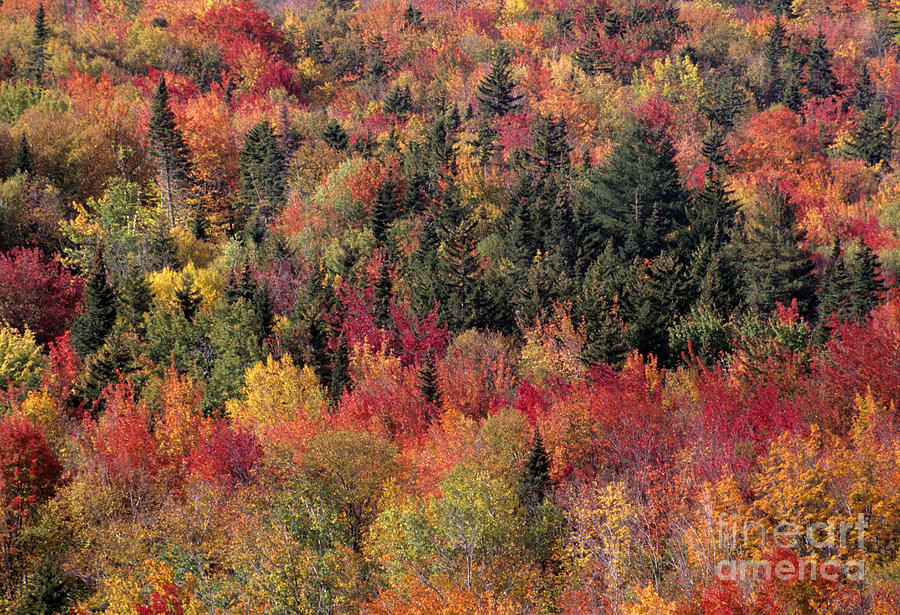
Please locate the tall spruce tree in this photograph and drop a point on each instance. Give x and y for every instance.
(187, 298)
(863, 90)
(383, 293)
(535, 482)
(339, 379)
(37, 57)
(496, 92)
(428, 380)
(866, 288)
(168, 149)
(873, 138)
(819, 76)
(834, 294)
(599, 306)
(773, 52)
(262, 173)
(398, 101)
(637, 199)
(91, 328)
(384, 209)
(711, 213)
(657, 296)
(776, 267)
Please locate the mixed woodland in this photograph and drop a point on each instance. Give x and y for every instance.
(447, 306)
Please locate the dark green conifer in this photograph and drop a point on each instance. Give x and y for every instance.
(863, 90)
(774, 51)
(428, 380)
(335, 135)
(599, 306)
(866, 288)
(37, 59)
(496, 92)
(637, 199)
(187, 298)
(262, 173)
(819, 76)
(834, 294)
(873, 139)
(657, 296)
(711, 214)
(340, 369)
(398, 101)
(91, 328)
(383, 295)
(535, 483)
(167, 148)
(791, 96)
(776, 267)
(384, 209)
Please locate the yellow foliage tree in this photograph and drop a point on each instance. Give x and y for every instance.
(21, 361)
(274, 391)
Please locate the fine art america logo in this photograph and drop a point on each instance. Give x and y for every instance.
(822, 538)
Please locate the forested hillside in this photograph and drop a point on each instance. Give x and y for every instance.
(449, 307)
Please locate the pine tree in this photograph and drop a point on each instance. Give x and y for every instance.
(398, 101)
(791, 96)
(37, 59)
(22, 163)
(729, 100)
(458, 271)
(866, 288)
(383, 295)
(340, 370)
(135, 299)
(711, 214)
(774, 51)
(496, 94)
(428, 380)
(484, 142)
(776, 267)
(834, 294)
(413, 17)
(168, 148)
(599, 306)
(384, 209)
(657, 296)
(288, 137)
(636, 200)
(91, 328)
(113, 360)
(819, 76)
(535, 482)
(262, 173)
(713, 147)
(585, 58)
(873, 139)
(335, 135)
(863, 90)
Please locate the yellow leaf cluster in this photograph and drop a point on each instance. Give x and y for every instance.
(274, 391)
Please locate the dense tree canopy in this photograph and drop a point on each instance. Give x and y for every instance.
(426, 307)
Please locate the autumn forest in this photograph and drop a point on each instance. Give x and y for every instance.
(577, 307)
